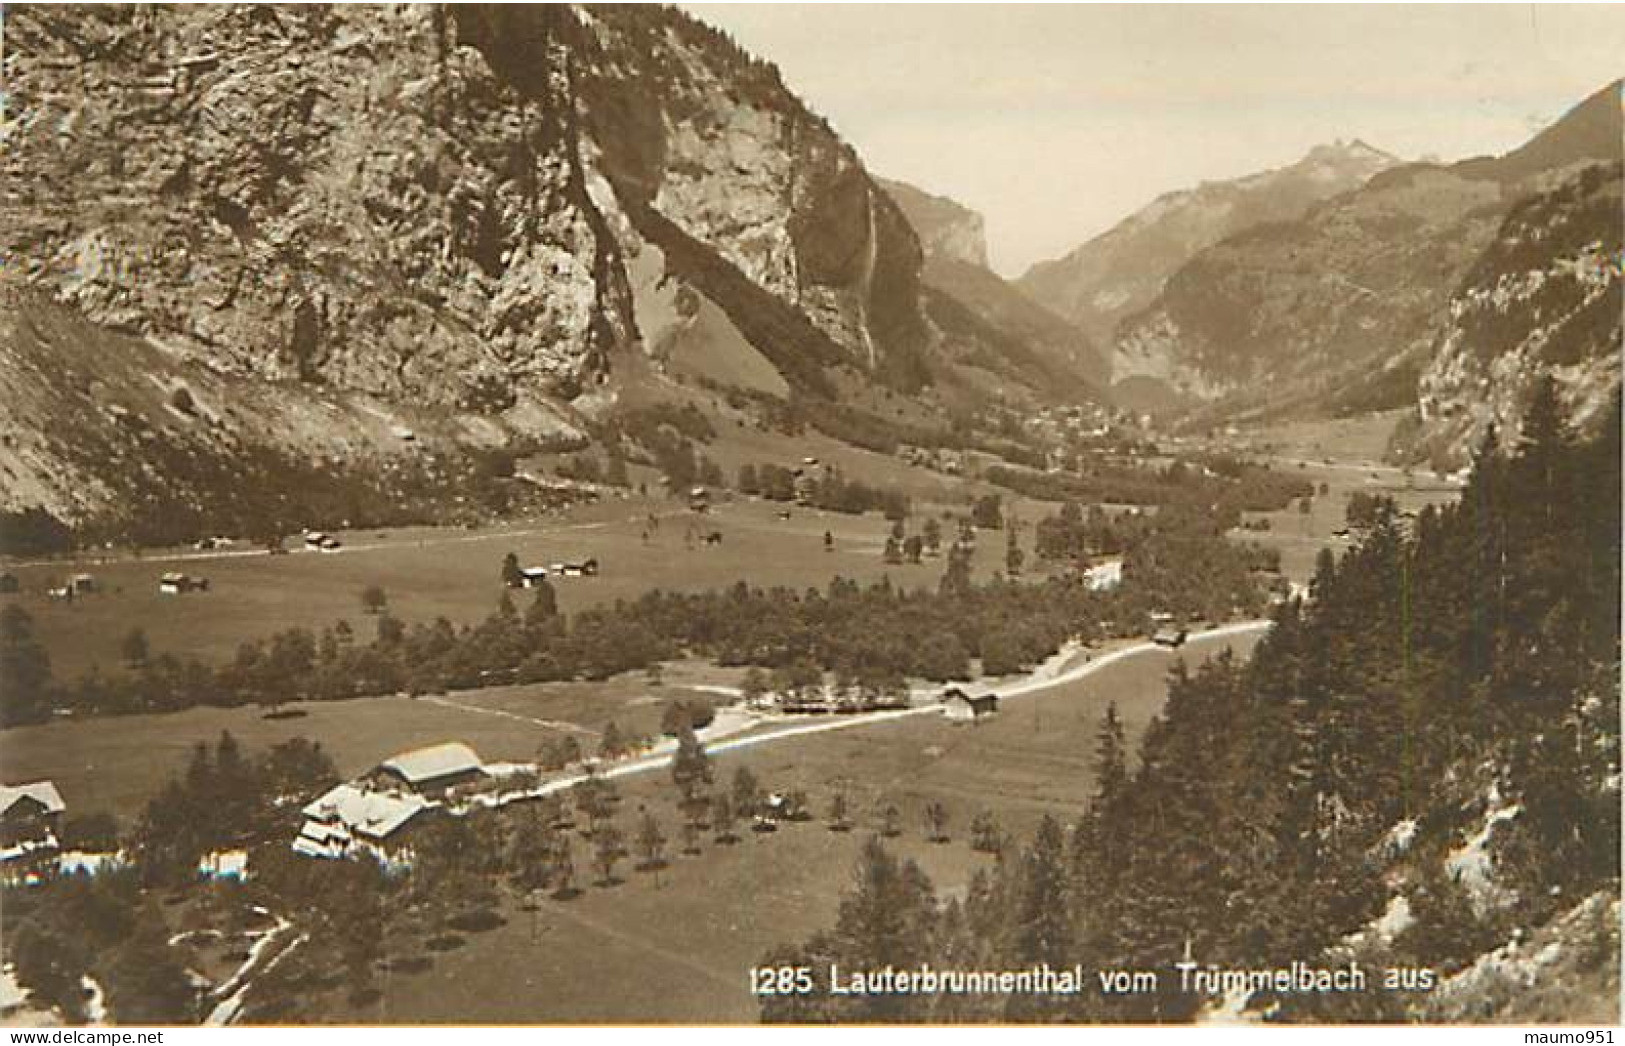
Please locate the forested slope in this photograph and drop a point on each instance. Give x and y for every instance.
(1418, 768)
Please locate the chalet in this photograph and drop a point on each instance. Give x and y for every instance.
(30, 820)
(219, 865)
(175, 584)
(958, 705)
(532, 577)
(1104, 577)
(431, 770)
(348, 821)
(1169, 636)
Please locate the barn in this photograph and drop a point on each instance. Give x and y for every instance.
(962, 707)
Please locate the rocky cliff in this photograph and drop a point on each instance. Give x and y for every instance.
(458, 214)
(947, 228)
(1543, 298)
(1337, 310)
(1120, 271)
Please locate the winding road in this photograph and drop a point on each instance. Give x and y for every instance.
(1033, 686)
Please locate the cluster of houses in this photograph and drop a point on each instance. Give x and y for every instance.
(535, 576)
(380, 813)
(31, 848)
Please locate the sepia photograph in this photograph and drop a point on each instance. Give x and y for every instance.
(714, 515)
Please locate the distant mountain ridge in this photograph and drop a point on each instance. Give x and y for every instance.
(1120, 271)
(1337, 311)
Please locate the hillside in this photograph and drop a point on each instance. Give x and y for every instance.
(471, 225)
(1120, 271)
(1335, 311)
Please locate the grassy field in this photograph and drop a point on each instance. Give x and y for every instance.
(1360, 438)
(1300, 537)
(677, 947)
(455, 573)
(116, 765)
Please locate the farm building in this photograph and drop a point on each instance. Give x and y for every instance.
(532, 577)
(958, 705)
(585, 568)
(433, 769)
(348, 820)
(224, 864)
(175, 584)
(30, 818)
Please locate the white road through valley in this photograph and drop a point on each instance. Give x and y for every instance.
(1031, 687)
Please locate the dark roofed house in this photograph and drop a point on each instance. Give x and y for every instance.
(958, 705)
(432, 769)
(30, 820)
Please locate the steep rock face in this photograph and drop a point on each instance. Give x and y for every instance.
(702, 147)
(1544, 297)
(947, 229)
(1335, 312)
(1120, 271)
(467, 212)
(984, 326)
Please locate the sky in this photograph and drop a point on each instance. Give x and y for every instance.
(1057, 121)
